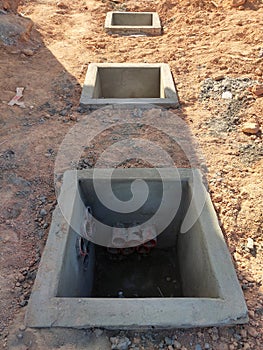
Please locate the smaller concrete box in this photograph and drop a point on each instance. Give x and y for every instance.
(128, 84)
(133, 23)
(67, 293)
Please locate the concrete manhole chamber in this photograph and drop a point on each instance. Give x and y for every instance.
(133, 23)
(186, 280)
(128, 83)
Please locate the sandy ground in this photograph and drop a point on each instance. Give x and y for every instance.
(201, 40)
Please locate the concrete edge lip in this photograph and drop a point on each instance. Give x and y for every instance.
(47, 310)
(169, 101)
(153, 29)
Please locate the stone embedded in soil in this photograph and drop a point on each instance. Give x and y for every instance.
(250, 243)
(252, 332)
(177, 345)
(250, 127)
(120, 343)
(168, 341)
(257, 90)
(98, 332)
(28, 52)
(43, 212)
(227, 95)
(243, 333)
(237, 3)
(62, 5)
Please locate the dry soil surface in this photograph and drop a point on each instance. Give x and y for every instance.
(212, 47)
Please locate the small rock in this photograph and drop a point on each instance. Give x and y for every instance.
(251, 313)
(170, 347)
(23, 303)
(243, 333)
(22, 328)
(120, 343)
(43, 212)
(237, 3)
(252, 331)
(136, 340)
(168, 341)
(217, 199)
(227, 95)
(177, 345)
(250, 128)
(198, 347)
(19, 336)
(28, 52)
(98, 332)
(246, 346)
(218, 77)
(62, 5)
(237, 337)
(257, 90)
(258, 71)
(73, 118)
(21, 278)
(113, 340)
(250, 243)
(207, 346)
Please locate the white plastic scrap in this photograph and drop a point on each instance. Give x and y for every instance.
(16, 98)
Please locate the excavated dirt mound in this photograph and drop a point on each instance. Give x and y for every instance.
(9, 5)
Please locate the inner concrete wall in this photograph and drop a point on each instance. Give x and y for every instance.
(197, 277)
(132, 19)
(196, 274)
(76, 278)
(128, 83)
(121, 189)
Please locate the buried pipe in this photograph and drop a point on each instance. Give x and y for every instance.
(135, 237)
(149, 234)
(129, 240)
(119, 236)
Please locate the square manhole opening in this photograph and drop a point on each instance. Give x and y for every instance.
(110, 272)
(132, 19)
(128, 84)
(147, 23)
(185, 279)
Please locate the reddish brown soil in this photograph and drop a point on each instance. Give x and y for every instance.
(201, 39)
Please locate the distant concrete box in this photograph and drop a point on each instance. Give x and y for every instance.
(133, 23)
(188, 279)
(128, 83)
